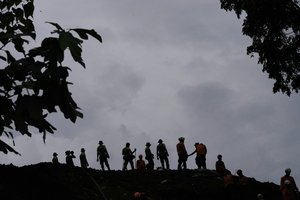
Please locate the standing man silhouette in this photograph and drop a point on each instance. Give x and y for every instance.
(128, 156)
(162, 154)
(182, 154)
(82, 157)
(149, 157)
(201, 151)
(102, 156)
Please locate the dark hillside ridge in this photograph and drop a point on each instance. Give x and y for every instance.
(44, 181)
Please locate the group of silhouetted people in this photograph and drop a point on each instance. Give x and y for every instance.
(288, 186)
(69, 158)
(161, 154)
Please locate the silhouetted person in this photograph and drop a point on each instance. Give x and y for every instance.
(288, 187)
(220, 167)
(128, 156)
(102, 155)
(69, 158)
(182, 154)
(149, 157)
(162, 154)
(140, 164)
(200, 159)
(55, 159)
(243, 180)
(83, 161)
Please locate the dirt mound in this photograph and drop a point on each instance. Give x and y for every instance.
(45, 181)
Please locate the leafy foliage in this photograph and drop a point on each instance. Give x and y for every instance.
(33, 83)
(274, 26)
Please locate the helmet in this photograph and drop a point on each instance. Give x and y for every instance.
(148, 144)
(54, 154)
(160, 141)
(100, 142)
(181, 139)
(197, 143)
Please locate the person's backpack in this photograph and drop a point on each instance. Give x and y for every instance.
(201, 149)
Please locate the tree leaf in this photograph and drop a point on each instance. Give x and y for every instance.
(67, 40)
(29, 9)
(57, 26)
(79, 114)
(2, 58)
(10, 58)
(5, 148)
(83, 33)
(18, 42)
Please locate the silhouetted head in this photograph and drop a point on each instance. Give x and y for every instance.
(181, 139)
(127, 144)
(219, 157)
(54, 154)
(82, 150)
(140, 156)
(288, 171)
(239, 172)
(100, 142)
(67, 152)
(196, 144)
(148, 144)
(160, 141)
(72, 152)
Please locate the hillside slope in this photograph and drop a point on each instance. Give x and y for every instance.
(44, 181)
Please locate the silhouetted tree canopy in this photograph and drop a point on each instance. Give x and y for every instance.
(274, 26)
(33, 82)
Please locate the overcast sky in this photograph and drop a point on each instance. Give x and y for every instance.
(168, 69)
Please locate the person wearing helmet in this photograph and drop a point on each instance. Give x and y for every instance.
(149, 157)
(128, 156)
(82, 157)
(102, 156)
(182, 154)
(55, 159)
(162, 154)
(288, 186)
